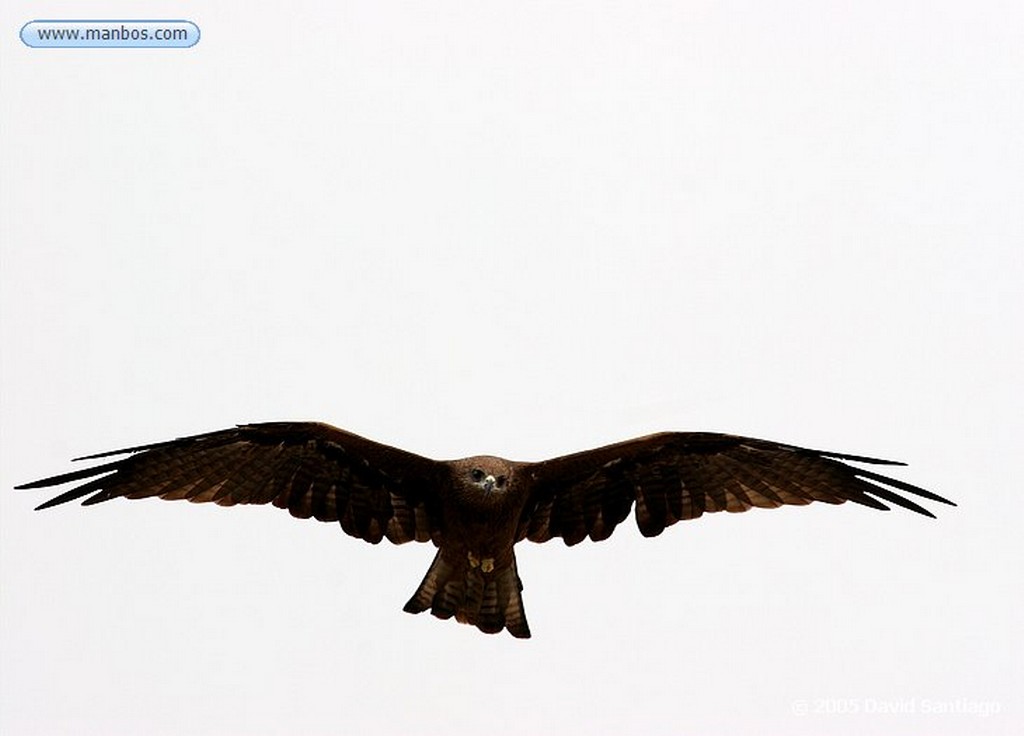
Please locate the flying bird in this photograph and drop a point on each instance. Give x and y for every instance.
(476, 510)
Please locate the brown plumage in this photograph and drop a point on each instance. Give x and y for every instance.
(476, 509)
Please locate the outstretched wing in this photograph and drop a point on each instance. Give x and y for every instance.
(313, 470)
(675, 476)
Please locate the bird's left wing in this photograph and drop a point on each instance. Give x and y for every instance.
(674, 476)
(313, 470)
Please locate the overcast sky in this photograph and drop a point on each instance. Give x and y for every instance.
(521, 229)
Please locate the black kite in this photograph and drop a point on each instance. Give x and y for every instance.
(475, 510)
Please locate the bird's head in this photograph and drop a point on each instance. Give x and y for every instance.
(490, 476)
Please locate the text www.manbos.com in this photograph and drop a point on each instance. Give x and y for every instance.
(110, 34)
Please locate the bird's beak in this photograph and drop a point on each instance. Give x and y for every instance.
(488, 484)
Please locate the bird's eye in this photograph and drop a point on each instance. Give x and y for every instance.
(500, 481)
(477, 475)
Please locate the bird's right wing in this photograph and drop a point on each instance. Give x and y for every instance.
(314, 470)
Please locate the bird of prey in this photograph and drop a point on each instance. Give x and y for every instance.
(476, 509)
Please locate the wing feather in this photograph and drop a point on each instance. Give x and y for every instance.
(313, 470)
(671, 477)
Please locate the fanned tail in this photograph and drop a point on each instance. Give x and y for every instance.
(490, 600)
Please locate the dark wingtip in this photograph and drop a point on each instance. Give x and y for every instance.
(860, 458)
(73, 494)
(903, 486)
(42, 483)
(124, 451)
(104, 472)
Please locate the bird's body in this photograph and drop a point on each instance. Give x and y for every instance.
(473, 576)
(476, 509)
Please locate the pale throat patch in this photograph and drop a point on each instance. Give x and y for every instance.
(485, 565)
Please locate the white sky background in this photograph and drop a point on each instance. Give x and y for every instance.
(523, 229)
